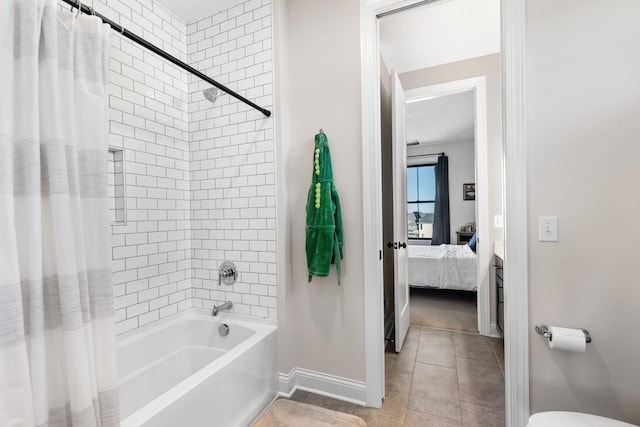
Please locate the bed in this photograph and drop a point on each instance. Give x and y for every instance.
(442, 267)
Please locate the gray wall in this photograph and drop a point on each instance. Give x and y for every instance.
(321, 324)
(583, 100)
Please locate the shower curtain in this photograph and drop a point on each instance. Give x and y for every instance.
(57, 341)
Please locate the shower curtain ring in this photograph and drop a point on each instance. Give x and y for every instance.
(79, 8)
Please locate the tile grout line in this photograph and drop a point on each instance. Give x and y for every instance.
(413, 371)
(455, 358)
(429, 364)
(495, 353)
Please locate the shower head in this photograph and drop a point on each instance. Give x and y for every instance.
(212, 94)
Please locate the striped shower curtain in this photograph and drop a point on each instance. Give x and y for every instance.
(57, 342)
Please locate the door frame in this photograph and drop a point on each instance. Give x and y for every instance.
(478, 86)
(515, 205)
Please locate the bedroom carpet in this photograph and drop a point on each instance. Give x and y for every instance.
(291, 413)
(444, 309)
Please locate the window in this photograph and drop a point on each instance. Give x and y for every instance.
(421, 199)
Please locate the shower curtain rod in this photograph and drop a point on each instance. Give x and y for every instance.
(139, 40)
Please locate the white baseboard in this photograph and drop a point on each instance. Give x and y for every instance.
(323, 384)
(494, 331)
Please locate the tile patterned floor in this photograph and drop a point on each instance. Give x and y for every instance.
(441, 378)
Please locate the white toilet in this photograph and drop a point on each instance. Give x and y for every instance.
(573, 419)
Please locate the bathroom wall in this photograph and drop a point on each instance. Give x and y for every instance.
(321, 323)
(232, 160)
(582, 103)
(148, 116)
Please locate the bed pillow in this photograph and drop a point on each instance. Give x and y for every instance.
(472, 242)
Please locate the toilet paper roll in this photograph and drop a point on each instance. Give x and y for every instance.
(567, 339)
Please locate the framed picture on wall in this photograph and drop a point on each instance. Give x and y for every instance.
(469, 191)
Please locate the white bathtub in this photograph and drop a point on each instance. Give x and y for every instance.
(181, 372)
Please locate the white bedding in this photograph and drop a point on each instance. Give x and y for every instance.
(444, 267)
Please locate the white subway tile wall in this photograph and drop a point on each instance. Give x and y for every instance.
(233, 160)
(200, 182)
(148, 117)
(115, 182)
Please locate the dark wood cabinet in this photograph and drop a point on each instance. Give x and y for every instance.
(499, 293)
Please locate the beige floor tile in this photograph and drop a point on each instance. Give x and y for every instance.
(419, 419)
(401, 362)
(473, 346)
(434, 390)
(396, 398)
(398, 387)
(498, 348)
(481, 383)
(436, 348)
(413, 334)
(480, 416)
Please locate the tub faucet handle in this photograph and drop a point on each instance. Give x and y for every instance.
(227, 273)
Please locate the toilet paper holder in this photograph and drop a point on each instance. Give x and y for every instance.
(543, 330)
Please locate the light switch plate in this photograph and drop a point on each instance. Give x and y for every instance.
(547, 228)
(497, 221)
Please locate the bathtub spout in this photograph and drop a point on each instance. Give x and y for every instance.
(217, 309)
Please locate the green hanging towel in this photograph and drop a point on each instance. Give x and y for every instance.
(324, 218)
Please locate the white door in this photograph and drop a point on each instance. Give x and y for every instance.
(401, 284)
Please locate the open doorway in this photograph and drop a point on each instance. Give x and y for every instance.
(443, 278)
(447, 55)
(453, 113)
(446, 206)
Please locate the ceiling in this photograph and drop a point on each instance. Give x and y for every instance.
(440, 32)
(433, 34)
(441, 120)
(191, 11)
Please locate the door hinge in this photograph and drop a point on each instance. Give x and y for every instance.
(380, 251)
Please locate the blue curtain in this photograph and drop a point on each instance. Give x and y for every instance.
(441, 220)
